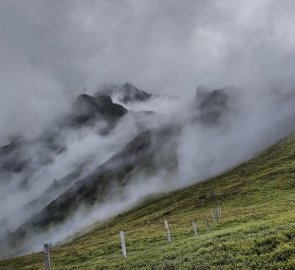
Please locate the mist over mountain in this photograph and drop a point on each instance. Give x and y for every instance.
(102, 155)
(126, 93)
(112, 101)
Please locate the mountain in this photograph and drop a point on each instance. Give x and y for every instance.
(151, 150)
(255, 230)
(106, 181)
(22, 156)
(88, 109)
(146, 154)
(125, 93)
(24, 162)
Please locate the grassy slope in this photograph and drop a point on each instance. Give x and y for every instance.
(256, 230)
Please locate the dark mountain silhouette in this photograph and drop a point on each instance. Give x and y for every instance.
(88, 109)
(211, 105)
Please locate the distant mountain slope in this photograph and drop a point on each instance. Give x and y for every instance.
(65, 196)
(256, 229)
(23, 156)
(25, 162)
(105, 181)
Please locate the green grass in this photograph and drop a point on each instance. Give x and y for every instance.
(256, 230)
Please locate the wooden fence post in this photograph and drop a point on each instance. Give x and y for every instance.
(213, 216)
(194, 228)
(122, 236)
(46, 256)
(219, 209)
(207, 224)
(167, 231)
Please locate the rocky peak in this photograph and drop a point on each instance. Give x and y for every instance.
(87, 108)
(211, 104)
(125, 93)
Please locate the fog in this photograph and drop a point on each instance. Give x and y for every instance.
(52, 51)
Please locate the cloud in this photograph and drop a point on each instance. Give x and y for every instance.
(52, 49)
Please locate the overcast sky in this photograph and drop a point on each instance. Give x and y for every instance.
(50, 49)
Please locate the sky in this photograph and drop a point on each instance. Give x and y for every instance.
(50, 50)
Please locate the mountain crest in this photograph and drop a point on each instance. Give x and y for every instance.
(125, 93)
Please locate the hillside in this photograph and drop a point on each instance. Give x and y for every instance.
(105, 182)
(256, 230)
(146, 154)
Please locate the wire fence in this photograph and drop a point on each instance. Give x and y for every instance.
(215, 215)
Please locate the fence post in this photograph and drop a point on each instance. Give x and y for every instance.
(207, 224)
(46, 256)
(219, 209)
(167, 231)
(194, 228)
(122, 236)
(213, 216)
